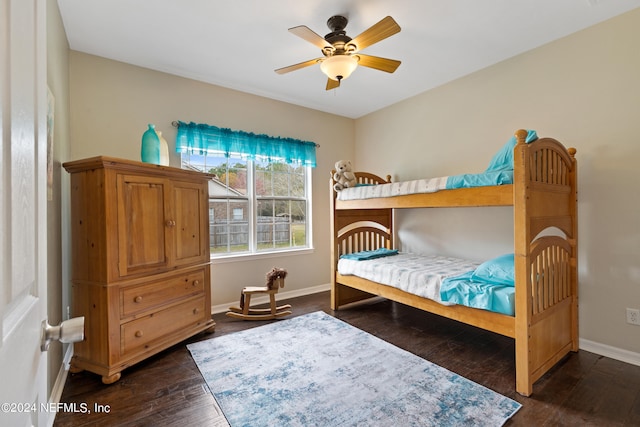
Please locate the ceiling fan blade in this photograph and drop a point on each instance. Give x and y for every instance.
(312, 37)
(380, 31)
(382, 64)
(294, 67)
(332, 84)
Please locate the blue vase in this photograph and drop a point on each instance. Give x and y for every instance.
(150, 150)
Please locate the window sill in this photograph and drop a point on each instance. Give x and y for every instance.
(266, 255)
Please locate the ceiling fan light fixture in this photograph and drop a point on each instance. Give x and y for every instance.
(339, 67)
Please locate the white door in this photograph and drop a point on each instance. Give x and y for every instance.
(23, 257)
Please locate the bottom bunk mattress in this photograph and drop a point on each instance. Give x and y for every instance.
(446, 280)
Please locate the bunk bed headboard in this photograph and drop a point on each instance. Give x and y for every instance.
(545, 175)
(545, 192)
(357, 230)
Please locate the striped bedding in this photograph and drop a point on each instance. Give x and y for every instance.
(427, 185)
(420, 275)
(445, 280)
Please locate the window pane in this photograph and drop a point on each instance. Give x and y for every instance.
(194, 162)
(281, 224)
(231, 176)
(229, 226)
(264, 184)
(297, 182)
(266, 238)
(274, 227)
(279, 179)
(298, 223)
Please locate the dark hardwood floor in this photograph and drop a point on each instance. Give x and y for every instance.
(584, 389)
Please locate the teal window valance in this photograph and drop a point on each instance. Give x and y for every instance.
(204, 139)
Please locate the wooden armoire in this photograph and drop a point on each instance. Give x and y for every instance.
(141, 260)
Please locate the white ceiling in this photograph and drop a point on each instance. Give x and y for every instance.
(239, 43)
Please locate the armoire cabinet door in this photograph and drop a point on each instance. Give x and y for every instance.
(142, 224)
(187, 206)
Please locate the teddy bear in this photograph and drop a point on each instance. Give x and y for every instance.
(344, 176)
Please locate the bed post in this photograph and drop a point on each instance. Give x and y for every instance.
(573, 207)
(522, 239)
(334, 249)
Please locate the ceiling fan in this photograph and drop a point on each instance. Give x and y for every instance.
(342, 53)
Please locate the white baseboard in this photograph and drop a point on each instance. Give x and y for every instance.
(223, 308)
(611, 352)
(61, 379)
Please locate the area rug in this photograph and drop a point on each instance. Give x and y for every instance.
(316, 370)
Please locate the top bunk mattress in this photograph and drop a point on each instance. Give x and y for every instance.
(426, 185)
(499, 172)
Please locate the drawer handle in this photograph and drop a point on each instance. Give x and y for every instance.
(171, 223)
(137, 299)
(196, 282)
(195, 311)
(138, 334)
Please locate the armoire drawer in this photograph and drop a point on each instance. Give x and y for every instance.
(137, 299)
(141, 333)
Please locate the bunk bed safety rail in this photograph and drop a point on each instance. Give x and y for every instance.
(550, 274)
(366, 178)
(360, 239)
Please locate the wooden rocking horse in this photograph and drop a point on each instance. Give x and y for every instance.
(275, 280)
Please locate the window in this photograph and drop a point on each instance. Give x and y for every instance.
(255, 206)
(260, 200)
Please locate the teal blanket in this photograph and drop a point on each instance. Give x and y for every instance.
(499, 171)
(365, 255)
(462, 290)
(469, 180)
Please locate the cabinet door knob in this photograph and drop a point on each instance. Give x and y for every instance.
(137, 299)
(138, 334)
(196, 282)
(171, 223)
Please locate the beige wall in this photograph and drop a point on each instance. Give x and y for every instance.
(112, 103)
(583, 90)
(57, 207)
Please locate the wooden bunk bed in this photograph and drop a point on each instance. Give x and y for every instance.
(543, 195)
